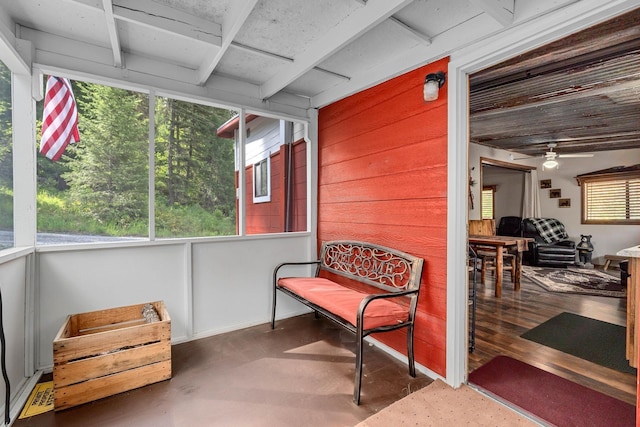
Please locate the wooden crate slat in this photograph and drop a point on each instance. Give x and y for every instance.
(90, 345)
(99, 318)
(107, 364)
(101, 353)
(87, 391)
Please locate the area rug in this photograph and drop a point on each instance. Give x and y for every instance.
(549, 397)
(575, 281)
(589, 339)
(440, 405)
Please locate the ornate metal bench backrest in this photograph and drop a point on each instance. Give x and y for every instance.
(382, 267)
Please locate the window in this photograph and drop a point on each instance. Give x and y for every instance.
(611, 198)
(195, 191)
(118, 184)
(261, 182)
(6, 160)
(488, 198)
(98, 189)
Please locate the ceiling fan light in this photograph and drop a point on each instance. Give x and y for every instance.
(550, 164)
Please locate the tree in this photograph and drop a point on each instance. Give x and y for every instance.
(6, 151)
(194, 166)
(108, 177)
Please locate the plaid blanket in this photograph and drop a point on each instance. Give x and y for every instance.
(551, 230)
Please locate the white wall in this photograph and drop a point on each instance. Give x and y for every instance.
(208, 285)
(607, 239)
(509, 192)
(13, 279)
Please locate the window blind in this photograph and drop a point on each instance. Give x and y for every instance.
(487, 203)
(614, 200)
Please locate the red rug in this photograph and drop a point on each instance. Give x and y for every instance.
(550, 397)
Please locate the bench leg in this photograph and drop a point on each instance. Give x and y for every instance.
(410, 357)
(273, 310)
(358, 380)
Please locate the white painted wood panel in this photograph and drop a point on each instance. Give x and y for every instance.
(12, 286)
(208, 285)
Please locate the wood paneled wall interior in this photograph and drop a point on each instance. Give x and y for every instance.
(482, 227)
(383, 179)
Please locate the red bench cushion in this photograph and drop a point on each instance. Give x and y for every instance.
(344, 302)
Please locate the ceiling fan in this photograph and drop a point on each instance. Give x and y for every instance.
(550, 157)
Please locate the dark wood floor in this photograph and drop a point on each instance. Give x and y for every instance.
(500, 323)
(300, 374)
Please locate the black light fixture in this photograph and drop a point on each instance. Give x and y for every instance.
(432, 84)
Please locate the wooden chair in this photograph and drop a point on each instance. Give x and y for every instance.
(487, 255)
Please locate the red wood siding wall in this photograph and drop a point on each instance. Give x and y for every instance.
(269, 217)
(383, 179)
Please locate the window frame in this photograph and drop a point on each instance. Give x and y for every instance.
(585, 181)
(266, 161)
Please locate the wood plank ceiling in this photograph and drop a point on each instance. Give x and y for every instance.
(581, 92)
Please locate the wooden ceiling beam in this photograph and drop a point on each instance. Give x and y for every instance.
(113, 32)
(352, 27)
(236, 16)
(500, 10)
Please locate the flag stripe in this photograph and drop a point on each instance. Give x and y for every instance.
(59, 118)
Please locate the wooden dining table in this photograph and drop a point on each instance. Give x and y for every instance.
(515, 245)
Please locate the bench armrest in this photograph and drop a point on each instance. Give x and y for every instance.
(284, 264)
(370, 298)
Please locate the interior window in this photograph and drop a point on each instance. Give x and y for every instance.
(488, 199)
(611, 199)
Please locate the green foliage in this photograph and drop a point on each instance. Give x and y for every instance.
(100, 185)
(194, 165)
(56, 212)
(6, 152)
(109, 174)
(191, 221)
(6, 208)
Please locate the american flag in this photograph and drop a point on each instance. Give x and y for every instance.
(59, 118)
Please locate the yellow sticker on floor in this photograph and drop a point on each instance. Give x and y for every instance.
(40, 400)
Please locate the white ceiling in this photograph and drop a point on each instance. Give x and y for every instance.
(280, 55)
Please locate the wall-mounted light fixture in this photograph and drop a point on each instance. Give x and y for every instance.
(432, 84)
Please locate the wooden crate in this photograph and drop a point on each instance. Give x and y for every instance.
(105, 352)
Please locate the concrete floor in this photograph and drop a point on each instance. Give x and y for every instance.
(300, 374)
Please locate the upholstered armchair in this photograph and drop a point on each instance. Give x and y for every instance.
(510, 226)
(551, 245)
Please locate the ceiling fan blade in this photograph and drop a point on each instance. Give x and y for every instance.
(575, 155)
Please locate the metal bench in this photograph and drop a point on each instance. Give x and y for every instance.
(377, 292)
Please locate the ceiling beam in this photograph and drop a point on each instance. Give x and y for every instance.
(421, 37)
(113, 32)
(352, 27)
(267, 54)
(9, 50)
(235, 17)
(162, 18)
(500, 10)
